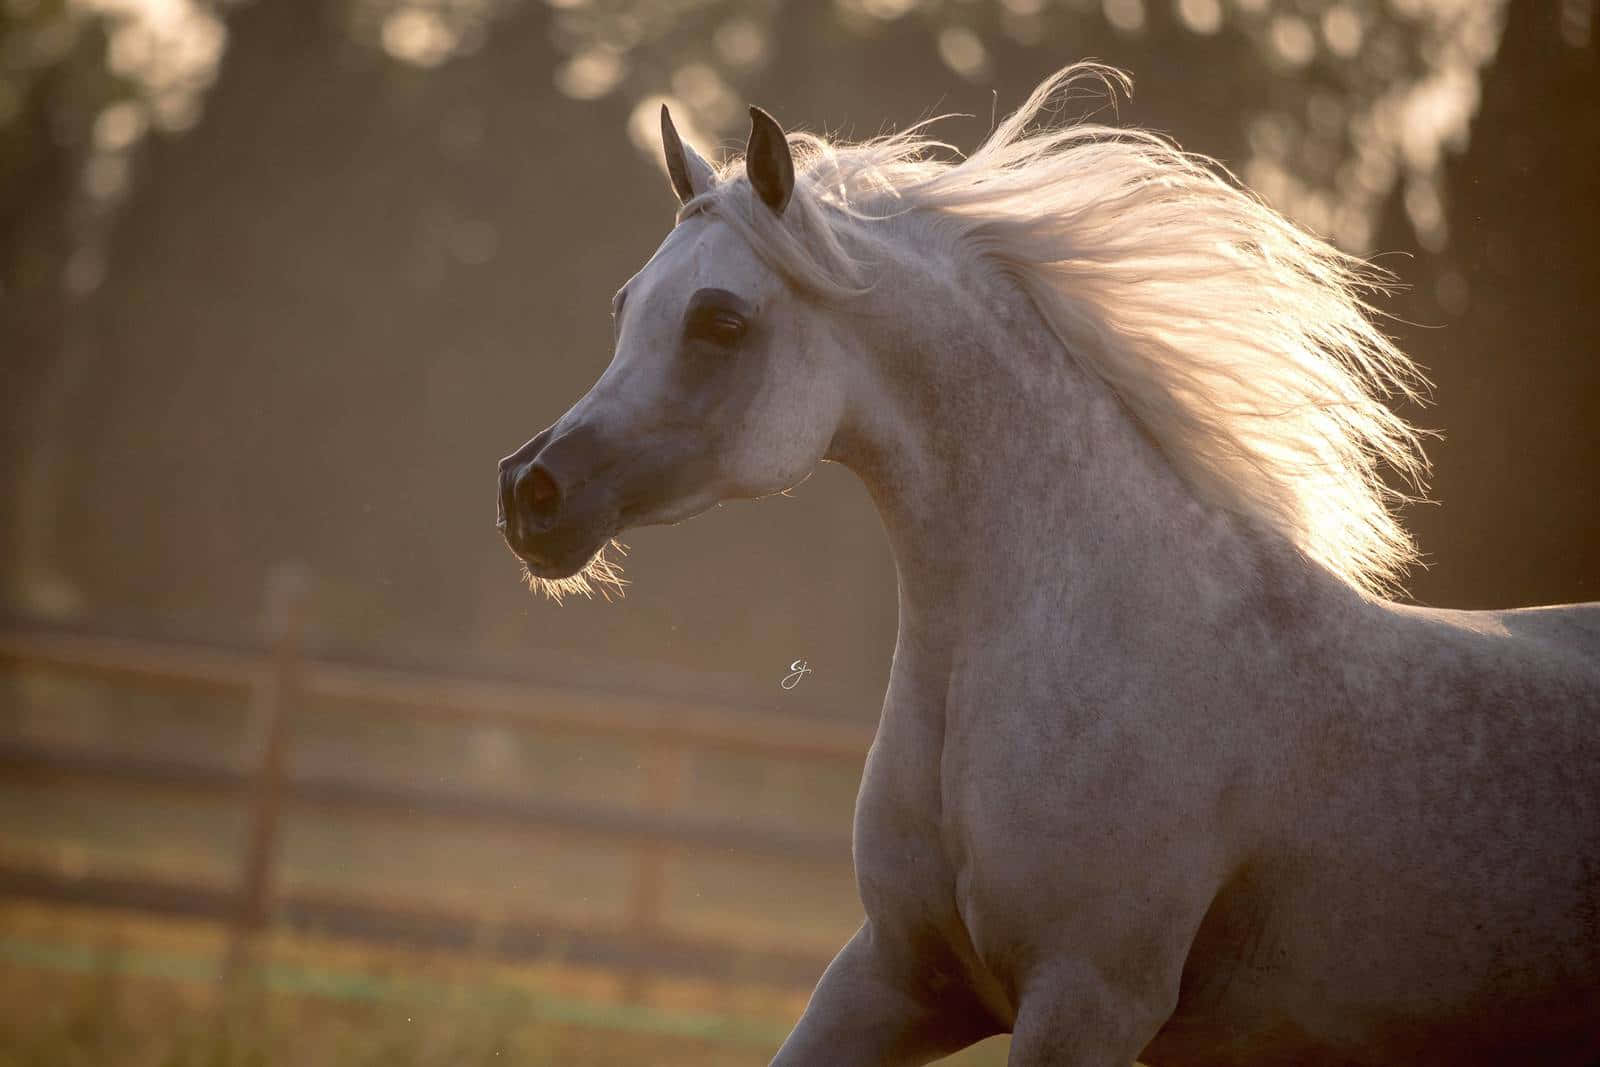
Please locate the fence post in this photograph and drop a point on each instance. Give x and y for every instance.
(666, 764)
(274, 697)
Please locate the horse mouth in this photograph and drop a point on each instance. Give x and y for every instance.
(557, 559)
(571, 563)
(555, 571)
(557, 555)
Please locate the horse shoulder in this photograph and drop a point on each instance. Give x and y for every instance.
(1082, 826)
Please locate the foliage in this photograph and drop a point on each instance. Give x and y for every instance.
(81, 83)
(1359, 95)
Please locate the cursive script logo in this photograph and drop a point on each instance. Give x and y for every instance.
(797, 671)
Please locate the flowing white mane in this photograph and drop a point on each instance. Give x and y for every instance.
(1243, 344)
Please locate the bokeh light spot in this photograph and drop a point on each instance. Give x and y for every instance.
(962, 52)
(1269, 181)
(120, 125)
(644, 128)
(175, 111)
(887, 10)
(106, 177)
(703, 89)
(1341, 28)
(740, 43)
(590, 74)
(1124, 15)
(129, 49)
(1314, 211)
(418, 37)
(1201, 16)
(1352, 229)
(1292, 40)
(1269, 135)
(1426, 212)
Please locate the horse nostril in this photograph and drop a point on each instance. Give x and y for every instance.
(538, 495)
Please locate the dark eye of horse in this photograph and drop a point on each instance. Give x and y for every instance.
(719, 326)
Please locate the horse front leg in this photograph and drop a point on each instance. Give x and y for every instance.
(874, 1006)
(1073, 1016)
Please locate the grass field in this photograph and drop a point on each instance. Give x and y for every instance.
(109, 989)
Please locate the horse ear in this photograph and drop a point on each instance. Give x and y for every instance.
(767, 161)
(691, 174)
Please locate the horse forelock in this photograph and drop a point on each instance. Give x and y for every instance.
(1244, 345)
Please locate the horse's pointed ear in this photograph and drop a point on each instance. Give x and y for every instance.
(691, 175)
(767, 161)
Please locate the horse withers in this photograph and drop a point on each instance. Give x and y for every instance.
(1161, 773)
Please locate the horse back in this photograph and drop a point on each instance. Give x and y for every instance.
(1550, 654)
(1570, 628)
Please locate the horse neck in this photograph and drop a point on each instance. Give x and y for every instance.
(1019, 494)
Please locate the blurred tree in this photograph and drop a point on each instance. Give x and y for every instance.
(53, 81)
(1517, 362)
(81, 83)
(1338, 99)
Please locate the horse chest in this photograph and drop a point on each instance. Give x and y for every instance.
(923, 839)
(910, 877)
(912, 854)
(902, 867)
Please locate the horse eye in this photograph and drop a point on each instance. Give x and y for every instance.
(720, 327)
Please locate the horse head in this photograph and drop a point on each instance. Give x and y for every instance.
(721, 384)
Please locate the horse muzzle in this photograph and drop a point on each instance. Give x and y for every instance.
(549, 512)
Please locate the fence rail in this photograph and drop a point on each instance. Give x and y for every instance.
(281, 680)
(637, 715)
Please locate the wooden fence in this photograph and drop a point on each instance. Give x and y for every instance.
(280, 678)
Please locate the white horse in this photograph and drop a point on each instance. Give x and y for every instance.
(1160, 773)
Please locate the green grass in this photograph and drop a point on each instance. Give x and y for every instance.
(113, 990)
(112, 1020)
